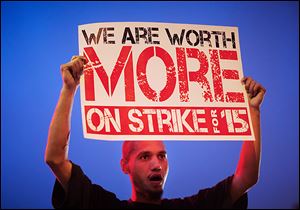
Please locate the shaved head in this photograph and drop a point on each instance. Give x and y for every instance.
(127, 149)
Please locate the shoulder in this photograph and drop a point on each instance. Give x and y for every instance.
(217, 196)
(82, 193)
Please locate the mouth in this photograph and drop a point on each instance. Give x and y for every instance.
(156, 179)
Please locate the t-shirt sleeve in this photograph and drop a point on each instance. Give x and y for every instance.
(82, 193)
(216, 197)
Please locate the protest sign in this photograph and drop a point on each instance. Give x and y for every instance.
(162, 81)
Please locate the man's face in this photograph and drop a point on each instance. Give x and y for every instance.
(148, 167)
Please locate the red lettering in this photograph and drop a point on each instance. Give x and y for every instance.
(216, 73)
(89, 82)
(96, 64)
(125, 63)
(228, 55)
(199, 75)
(119, 66)
(231, 74)
(150, 120)
(143, 59)
(182, 75)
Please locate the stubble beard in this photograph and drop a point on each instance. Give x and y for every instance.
(155, 195)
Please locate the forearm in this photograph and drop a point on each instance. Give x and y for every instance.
(249, 162)
(255, 116)
(247, 171)
(58, 136)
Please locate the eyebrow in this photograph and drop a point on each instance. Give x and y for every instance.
(162, 152)
(148, 153)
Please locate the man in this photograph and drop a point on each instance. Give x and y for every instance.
(145, 162)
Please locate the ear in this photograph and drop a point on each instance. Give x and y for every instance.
(124, 166)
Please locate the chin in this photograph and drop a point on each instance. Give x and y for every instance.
(156, 194)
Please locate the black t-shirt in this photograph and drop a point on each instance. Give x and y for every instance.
(83, 194)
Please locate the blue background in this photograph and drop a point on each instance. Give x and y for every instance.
(37, 37)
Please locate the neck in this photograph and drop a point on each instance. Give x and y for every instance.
(145, 197)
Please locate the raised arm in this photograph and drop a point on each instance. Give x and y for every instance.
(56, 153)
(247, 171)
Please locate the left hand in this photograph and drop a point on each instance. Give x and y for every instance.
(255, 92)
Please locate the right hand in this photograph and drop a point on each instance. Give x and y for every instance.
(255, 92)
(72, 71)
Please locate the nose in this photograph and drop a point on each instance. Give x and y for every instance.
(156, 165)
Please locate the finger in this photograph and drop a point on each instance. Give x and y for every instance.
(72, 68)
(81, 68)
(251, 86)
(66, 71)
(243, 80)
(247, 84)
(261, 89)
(83, 59)
(74, 57)
(257, 88)
(260, 94)
(65, 67)
(81, 64)
(79, 57)
(77, 69)
(68, 76)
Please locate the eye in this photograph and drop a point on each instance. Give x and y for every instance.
(162, 156)
(144, 157)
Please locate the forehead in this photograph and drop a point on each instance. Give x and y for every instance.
(150, 146)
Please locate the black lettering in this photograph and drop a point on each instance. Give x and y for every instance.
(216, 33)
(175, 37)
(189, 40)
(151, 34)
(138, 35)
(127, 36)
(202, 39)
(92, 37)
(110, 35)
(232, 40)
